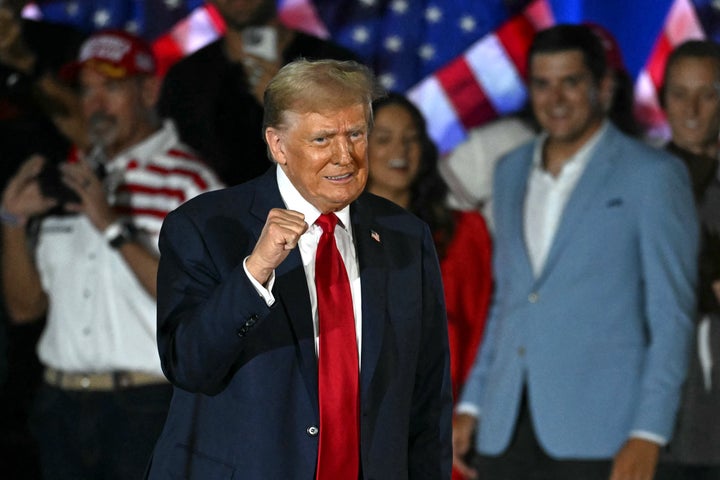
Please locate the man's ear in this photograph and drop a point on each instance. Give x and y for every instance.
(276, 144)
(606, 91)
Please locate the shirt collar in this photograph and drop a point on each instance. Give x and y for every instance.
(162, 139)
(295, 201)
(580, 159)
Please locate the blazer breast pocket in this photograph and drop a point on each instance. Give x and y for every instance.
(614, 202)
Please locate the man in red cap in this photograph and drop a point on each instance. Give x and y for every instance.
(93, 268)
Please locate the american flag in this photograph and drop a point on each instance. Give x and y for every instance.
(461, 61)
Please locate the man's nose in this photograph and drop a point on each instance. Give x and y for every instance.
(343, 151)
(93, 105)
(693, 105)
(557, 93)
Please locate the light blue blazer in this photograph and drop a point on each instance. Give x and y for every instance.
(601, 336)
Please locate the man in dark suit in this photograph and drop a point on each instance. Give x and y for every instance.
(242, 317)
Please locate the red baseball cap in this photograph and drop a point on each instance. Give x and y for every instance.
(613, 54)
(114, 54)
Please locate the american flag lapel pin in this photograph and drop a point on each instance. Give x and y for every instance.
(375, 235)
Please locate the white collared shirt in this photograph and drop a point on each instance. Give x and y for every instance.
(308, 245)
(547, 196)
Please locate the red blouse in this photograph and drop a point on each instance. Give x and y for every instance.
(467, 278)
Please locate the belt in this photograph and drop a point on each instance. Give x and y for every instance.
(100, 381)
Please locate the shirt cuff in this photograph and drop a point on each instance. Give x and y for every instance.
(649, 436)
(264, 292)
(467, 409)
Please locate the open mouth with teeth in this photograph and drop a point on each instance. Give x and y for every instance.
(398, 163)
(339, 177)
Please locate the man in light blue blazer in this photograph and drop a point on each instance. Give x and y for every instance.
(586, 348)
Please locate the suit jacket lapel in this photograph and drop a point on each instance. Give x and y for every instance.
(373, 278)
(516, 217)
(290, 288)
(588, 187)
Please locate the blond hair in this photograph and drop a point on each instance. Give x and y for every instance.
(315, 86)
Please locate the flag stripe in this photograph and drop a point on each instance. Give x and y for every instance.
(656, 66)
(470, 101)
(497, 74)
(301, 15)
(515, 36)
(445, 126)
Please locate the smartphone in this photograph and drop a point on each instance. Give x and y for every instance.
(261, 42)
(51, 185)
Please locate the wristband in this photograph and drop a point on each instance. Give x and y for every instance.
(10, 218)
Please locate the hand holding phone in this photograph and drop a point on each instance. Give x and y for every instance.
(261, 42)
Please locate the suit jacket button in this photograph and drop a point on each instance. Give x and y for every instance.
(313, 431)
(521, 351)
(533, 297)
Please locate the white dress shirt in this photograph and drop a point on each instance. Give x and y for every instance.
(308, 245)
(547, 196)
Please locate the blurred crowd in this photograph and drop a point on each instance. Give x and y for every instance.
(581, 266)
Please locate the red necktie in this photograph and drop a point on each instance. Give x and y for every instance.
(339, 448)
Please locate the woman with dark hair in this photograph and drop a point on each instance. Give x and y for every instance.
(403, 168)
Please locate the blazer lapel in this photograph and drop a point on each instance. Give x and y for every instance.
(290, 290)
(292, 294)
(516, 218)
(373, 279)
(588, 187)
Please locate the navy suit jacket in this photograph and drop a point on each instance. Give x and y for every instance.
(600, 337)
(245, 403)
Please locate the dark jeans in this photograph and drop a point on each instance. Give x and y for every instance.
(525, 460)
(98, 435)
(670, 471)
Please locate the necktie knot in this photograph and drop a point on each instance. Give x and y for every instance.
(327, 222)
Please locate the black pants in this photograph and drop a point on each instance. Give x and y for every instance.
(98, 435)
(525, 459)
(670, 471)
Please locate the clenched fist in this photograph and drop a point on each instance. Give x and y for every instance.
(280, 234)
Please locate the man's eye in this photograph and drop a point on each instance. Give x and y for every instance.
(413, 138)
(677, 94)
(710, 96)
(114, 85)
(538, 84)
